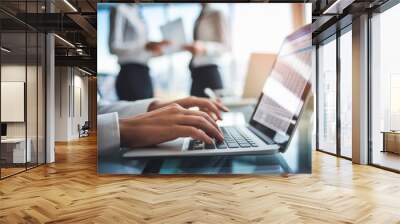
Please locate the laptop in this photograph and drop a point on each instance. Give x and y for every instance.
(260, 64)
(274, 118)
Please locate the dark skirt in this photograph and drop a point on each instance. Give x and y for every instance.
(134, 82)
(207, 76)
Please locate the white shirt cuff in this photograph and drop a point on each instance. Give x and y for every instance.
(125, 108)
(108, 135)
(136, 107)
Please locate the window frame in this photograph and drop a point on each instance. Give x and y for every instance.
(334, 37)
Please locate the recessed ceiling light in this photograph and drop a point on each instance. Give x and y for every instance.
(337, 7)
(64, 40)
(5, 50)
(84, 71)
(70, 5)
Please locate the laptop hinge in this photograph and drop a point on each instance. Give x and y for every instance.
(259, 134)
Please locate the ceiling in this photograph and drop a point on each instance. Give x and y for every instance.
(74, 22)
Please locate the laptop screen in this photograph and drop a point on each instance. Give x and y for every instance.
(286, 88)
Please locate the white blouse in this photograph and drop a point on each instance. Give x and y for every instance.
(212, 31)
(128, 35)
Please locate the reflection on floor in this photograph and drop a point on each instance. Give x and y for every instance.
(387, 159)
(11, 169)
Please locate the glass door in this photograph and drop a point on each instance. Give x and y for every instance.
(22, 77)
(327, 96)
(14, 144)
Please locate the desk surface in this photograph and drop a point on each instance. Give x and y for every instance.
(295, 160)
(13, 140)
(391, 132)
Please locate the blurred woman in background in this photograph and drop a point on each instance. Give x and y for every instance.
(129, 41)
(211, 41)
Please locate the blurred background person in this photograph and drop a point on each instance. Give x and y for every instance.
(211, 41)
(259, 35)
(129, 41)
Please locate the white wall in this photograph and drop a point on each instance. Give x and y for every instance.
(71, 102)
(16, 73)
(80, 110)
(62, 81)
(12, 73)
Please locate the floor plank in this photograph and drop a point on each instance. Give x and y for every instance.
(70, 191)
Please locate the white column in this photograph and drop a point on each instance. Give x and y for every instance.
(50, 100)
(360, 90)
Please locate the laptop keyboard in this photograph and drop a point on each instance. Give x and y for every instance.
(234, 138)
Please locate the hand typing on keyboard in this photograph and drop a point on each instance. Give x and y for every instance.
(233, 138)
(166, 124)
(211, 107)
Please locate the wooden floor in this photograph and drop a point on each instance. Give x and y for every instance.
(5, 172)
(70, 191)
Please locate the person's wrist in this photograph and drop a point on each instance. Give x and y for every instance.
(122, 131)
(148, 46)
(128, 128)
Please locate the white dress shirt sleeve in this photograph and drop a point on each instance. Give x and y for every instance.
(221, 45)
(125, 108)
(108, 135)
(214, 36)
(214, 49)
(132, 49)
(120, 45)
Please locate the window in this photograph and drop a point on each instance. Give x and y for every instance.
(327, 97)
(334, 94)
(346, 94)
(385, 89)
